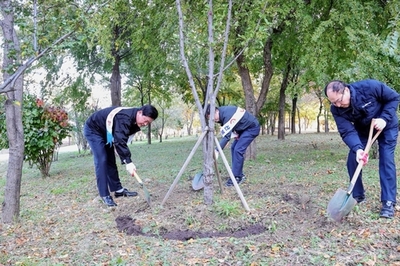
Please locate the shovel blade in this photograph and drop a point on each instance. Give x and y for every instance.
(340, 205)
(146, 194)
(198, 182)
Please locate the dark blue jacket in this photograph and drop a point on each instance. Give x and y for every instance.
(368, 99)
(247, 121)
(124, 125)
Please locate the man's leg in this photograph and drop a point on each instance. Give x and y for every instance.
(387, 166)
(239, 150)
(113, 181)
(352, 164)
(358, 190)
(97, 145)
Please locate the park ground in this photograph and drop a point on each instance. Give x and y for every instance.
(288, 187)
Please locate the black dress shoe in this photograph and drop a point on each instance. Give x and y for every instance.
(125, 193)
(108, 200)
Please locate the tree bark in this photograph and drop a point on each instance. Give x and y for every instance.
(299, 117)
(13, 111)
(282, 101)
(268, 73)
(208, 146)
(251, 107)
(115, 83)
(281, 116)
(293, 116)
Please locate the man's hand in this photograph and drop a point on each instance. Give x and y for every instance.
(216, 154)
(379, 124)
(131, 168)
(362, 156)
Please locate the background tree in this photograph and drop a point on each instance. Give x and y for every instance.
(12, 86)
(13, 111)
(348, 47)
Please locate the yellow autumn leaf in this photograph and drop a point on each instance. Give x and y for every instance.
(275, 248)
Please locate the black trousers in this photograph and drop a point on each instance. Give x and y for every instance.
(104, 162)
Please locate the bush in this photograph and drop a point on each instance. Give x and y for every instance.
(44, 129)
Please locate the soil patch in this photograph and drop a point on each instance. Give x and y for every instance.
(127, 224)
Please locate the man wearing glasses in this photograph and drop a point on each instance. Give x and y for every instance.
(353, 107)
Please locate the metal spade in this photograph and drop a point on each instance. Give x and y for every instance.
(145, 191)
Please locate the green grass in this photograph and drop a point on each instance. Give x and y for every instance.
(62, 221)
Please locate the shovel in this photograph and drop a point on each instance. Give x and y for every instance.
(145, 191)
(343, 202)
(197, 182)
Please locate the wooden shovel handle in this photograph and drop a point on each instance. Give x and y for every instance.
(137, 178)
(371, 140)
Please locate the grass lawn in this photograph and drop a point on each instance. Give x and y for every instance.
(288, 186)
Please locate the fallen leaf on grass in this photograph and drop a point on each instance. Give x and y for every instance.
(365, 233)
(193, 261)
(370, 263)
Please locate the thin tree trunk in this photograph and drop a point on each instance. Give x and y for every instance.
(293, 116)
(298, 117)
(13, 111)
(281, 115)
(208, 145)
(326, 123)
(318, 116)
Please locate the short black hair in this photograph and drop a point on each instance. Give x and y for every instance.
(335, 86)
(208, 109)
(149, 111)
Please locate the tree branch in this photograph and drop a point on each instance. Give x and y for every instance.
(185, 62)
(11, 80)
(226, 35)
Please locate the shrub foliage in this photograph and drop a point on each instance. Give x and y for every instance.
(45, 127)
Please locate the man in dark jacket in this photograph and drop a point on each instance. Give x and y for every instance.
(107, 132)
(353, 107)
(239, 124)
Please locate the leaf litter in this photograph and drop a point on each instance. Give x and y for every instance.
(287, 224)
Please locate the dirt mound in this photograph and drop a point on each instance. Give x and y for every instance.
(127, 224)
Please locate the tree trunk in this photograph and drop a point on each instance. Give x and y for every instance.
(115, 83)
(244, 73)
(268, 72)
(326, 123)
(272, 122)
(293, 116)
(252, 105)
(149, 134)
(298, 117)
(190, 124)
(149, 126)
(318, 116)
(282, 100)
(208, 146)
(281, 116)
(13, 111)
